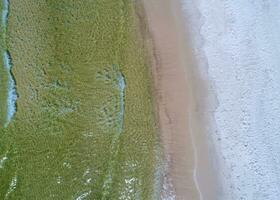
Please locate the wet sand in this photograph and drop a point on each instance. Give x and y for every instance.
(178, 89)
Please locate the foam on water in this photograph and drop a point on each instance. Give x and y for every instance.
(7, 64)
(83, 196)
(114, 119)
(12, 95)
(2, 161)
(112, 111)
(12, 187)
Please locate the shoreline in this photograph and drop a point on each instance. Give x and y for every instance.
(190, 169)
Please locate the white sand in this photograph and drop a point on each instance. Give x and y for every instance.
(237, 44)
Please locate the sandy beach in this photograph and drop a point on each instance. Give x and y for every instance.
(237, 43)
(178, 87)
(144, 100)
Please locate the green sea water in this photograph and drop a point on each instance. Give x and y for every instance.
(84, 126)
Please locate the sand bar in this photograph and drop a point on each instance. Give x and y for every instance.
(174, 70)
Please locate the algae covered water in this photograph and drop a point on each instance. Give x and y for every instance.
(7, 87)
(82, 123)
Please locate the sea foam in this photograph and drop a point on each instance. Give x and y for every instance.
(11, 90)
(12, 94)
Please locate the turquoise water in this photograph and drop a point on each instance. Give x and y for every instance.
(12, 94)
(112, 76)
(7, 77)
(5, 12)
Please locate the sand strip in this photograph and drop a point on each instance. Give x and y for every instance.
(185, 147)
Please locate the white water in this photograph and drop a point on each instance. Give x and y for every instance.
(12, 187)
(238, 44)
(3, 160)
(12, 95)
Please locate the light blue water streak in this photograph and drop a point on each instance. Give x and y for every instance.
(5, 12)
(7, 64)
(12, 94)
(121, 87)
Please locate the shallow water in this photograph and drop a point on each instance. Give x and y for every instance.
(12, 94)
(7, 78)
(5, 12)
(77, 135)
